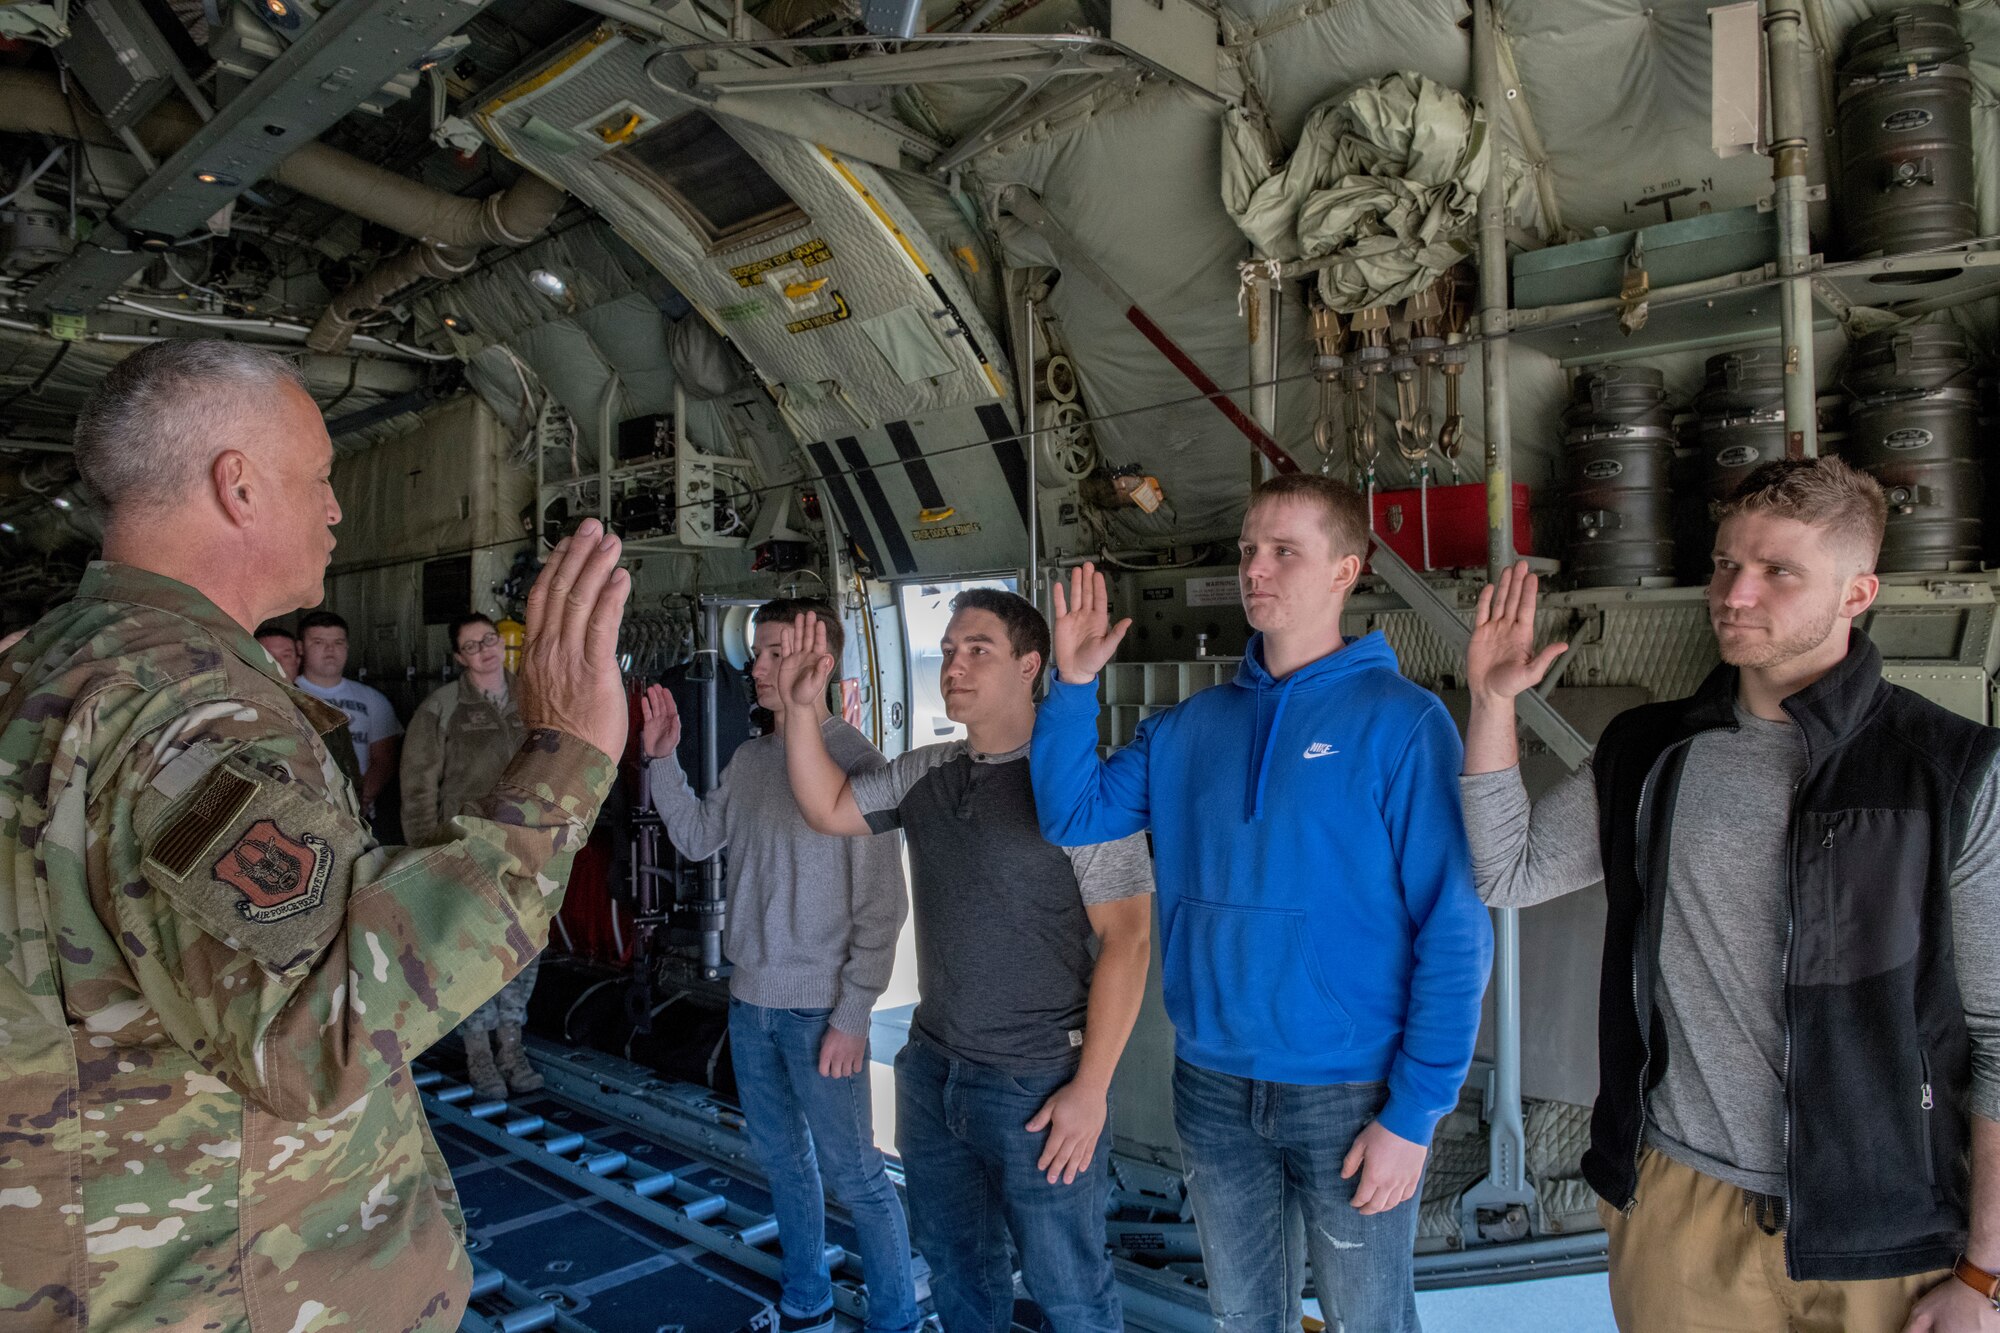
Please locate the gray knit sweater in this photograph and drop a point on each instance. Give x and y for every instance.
(813, 919)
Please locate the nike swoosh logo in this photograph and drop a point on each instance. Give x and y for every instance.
(1319, 750)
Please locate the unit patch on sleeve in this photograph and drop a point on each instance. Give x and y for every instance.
(260, 864)
(278, 875)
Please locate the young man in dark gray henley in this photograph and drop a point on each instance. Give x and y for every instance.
(1031, 963)
(811, 940)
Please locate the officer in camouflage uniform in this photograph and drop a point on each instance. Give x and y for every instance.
(460, 741)
(212, 980)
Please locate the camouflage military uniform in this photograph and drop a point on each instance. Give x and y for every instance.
(212, 980)
(458, 745)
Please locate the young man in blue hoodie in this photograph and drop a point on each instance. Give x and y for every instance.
(1325, 952)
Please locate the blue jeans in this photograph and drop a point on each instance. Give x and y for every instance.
(969, 1169)
(1258, 1155)
(803, 1125)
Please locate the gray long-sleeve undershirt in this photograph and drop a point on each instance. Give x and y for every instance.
(1720, 1106)
(813, 919)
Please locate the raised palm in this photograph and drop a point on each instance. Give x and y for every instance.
(660, 722)
(1501, 661)
(804, 663)
(1084, 637)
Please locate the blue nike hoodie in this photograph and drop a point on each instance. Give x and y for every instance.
(1317, 915)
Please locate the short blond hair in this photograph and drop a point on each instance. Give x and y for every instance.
(1342, 508)
(1823, 493)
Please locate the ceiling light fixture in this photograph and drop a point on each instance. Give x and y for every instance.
(548, 284)
(8, 527)
(59, 501)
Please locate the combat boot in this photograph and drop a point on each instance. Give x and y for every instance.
(486, 1080)
(513, 1061)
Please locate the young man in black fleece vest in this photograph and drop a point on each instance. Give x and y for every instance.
(1799, 1023)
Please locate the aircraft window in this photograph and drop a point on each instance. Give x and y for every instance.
(926, 611)
(709, 179)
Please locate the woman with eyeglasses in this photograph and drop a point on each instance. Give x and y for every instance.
(460, 740)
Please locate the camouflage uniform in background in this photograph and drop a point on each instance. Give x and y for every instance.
(458, 745)
(212, 981)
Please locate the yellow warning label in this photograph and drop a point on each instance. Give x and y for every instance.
(806, 253)
(954, 530)
(833, 316)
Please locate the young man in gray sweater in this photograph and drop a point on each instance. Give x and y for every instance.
(811, 937)
(1799, 1022)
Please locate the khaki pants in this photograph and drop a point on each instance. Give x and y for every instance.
(1691, 1258)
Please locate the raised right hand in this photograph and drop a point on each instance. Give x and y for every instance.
(1085, 640)
(659, 723)
(1501, 660)
(569, 662)
(804, 663)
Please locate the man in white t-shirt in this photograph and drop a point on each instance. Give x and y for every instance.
(370, 718)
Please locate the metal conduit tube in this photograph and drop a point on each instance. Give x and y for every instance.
(1506, 1178)
(711, 908)
(31, 101)
(376, 345)
(1026, 377)
(1786, 51)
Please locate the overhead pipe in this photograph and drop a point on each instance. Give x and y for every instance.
(34, 102)
(1786, 52)
(341, 319)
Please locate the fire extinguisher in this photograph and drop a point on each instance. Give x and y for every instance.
(512, 634)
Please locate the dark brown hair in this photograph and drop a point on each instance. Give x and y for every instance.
(784, 610)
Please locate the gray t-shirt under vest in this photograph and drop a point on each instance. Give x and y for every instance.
(1005, 948)
(1720, 1106)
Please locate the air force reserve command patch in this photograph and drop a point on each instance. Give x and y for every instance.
(252, 858)
(280, 876)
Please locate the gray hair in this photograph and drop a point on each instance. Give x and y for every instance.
(156, 422)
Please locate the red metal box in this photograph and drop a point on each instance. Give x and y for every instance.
(1455, 519)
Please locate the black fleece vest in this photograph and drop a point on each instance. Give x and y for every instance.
(1878, 1061)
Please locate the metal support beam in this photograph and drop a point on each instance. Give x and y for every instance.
(1025, 381)
(1262, 317)
(336, 64)
(1788, 57)
(1493, 322)
(712, 905)
(1505, 1195)
(944, 65)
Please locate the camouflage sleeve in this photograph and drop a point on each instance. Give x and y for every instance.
(423, 768)
(298, 960)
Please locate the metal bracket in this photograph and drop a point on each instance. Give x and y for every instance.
(1815, 194)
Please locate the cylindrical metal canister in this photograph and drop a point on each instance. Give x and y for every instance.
(1905, 124)
(1741, 409)
(1619, 441)
(1913, 422)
